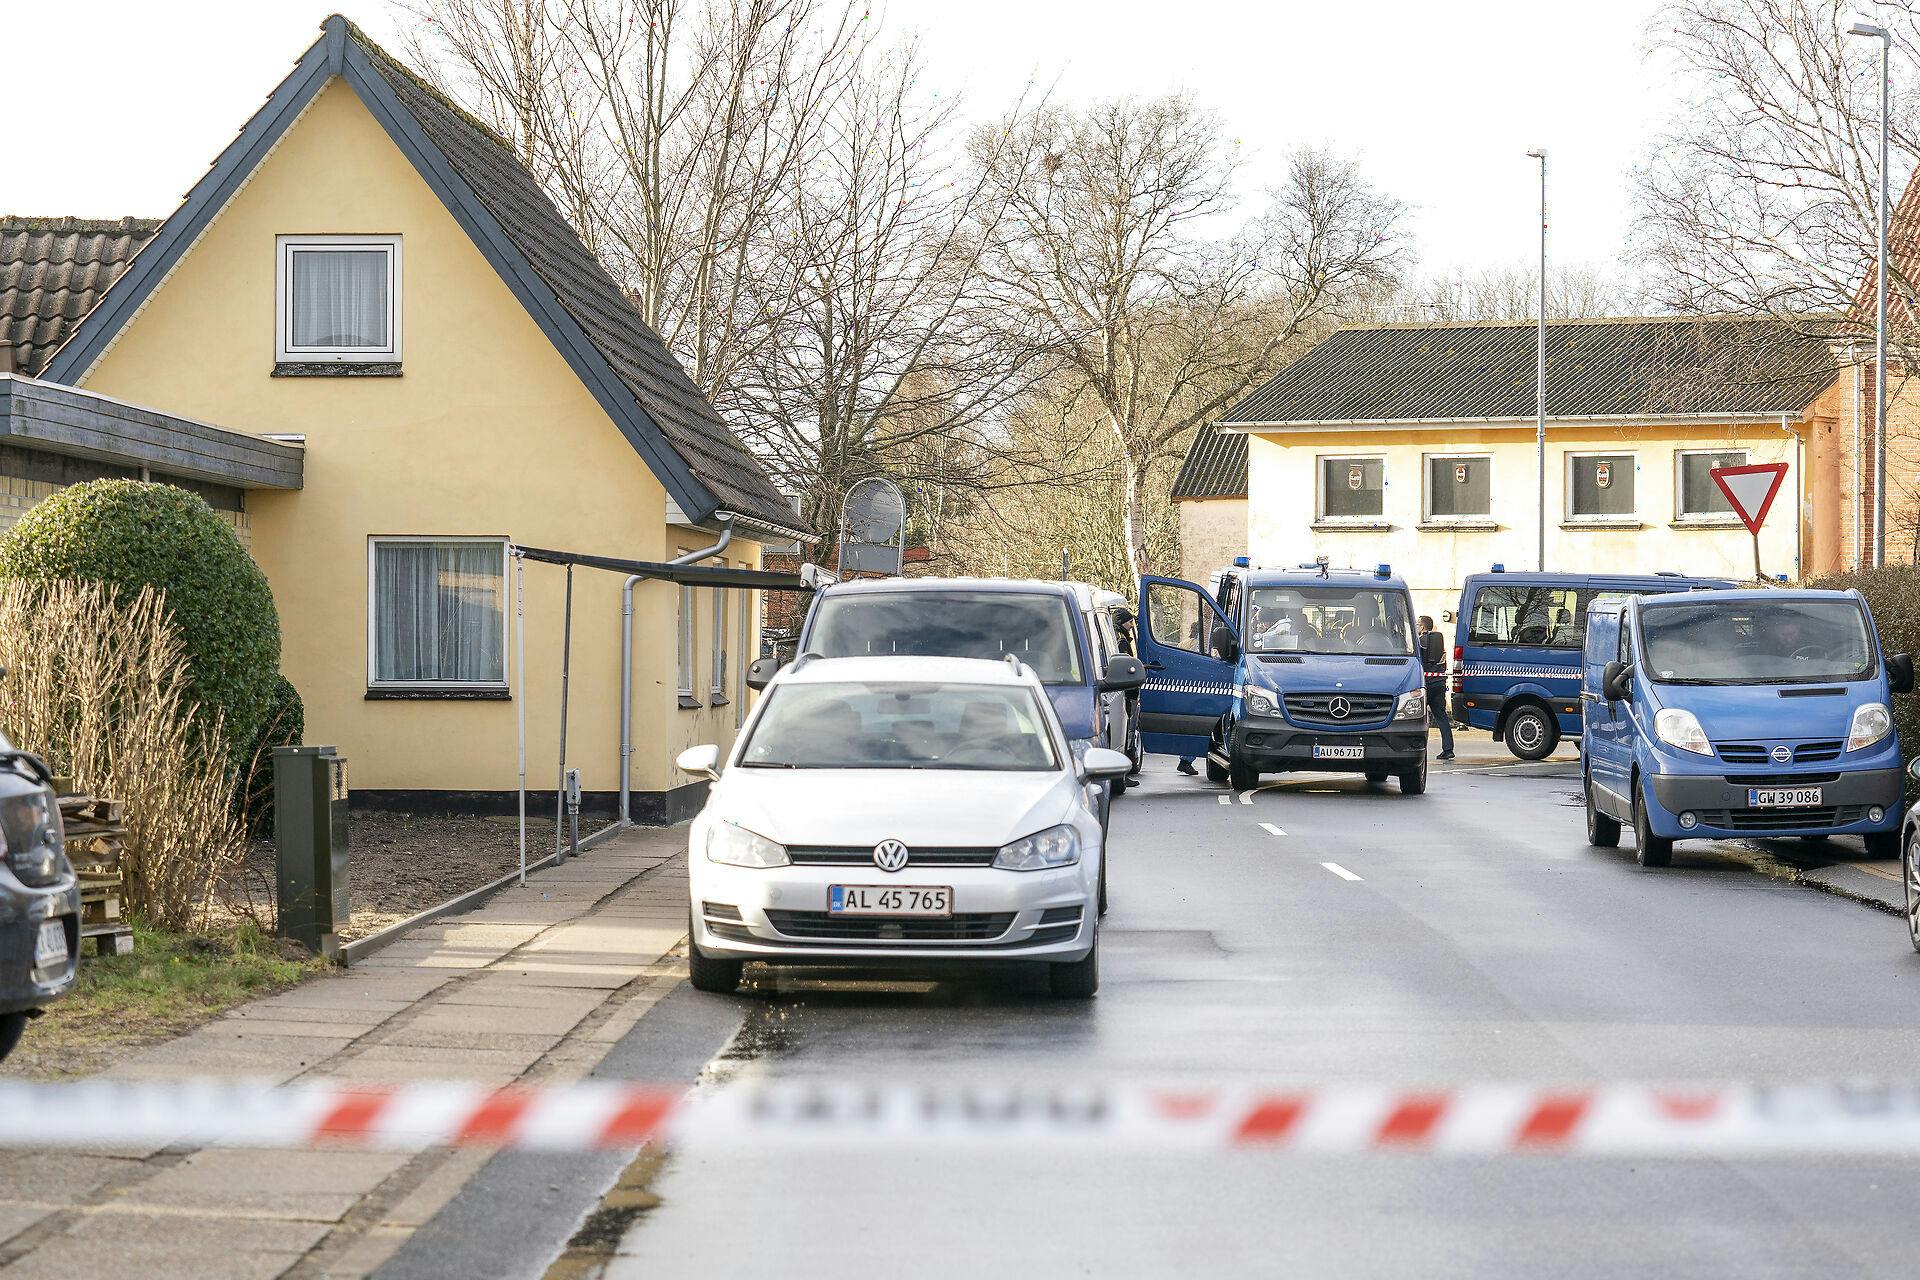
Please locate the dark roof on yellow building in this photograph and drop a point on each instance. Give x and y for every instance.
(52, 271)
(1215, 466)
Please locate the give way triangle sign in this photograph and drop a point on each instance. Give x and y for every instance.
(1750, 489)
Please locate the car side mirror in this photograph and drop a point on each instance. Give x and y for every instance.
(1616, 681)
(1900, 672)
(760, 672)
(1124, 674)
(1102, 764)
(1225, 644)
(702, 761)
(1913, 768)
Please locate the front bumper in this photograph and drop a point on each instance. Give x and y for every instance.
(1272, 744)
(780, 915)
(1719, 803)
(22, 910)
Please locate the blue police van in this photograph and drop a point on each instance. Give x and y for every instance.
(1278, 670)
(1722, 714)
(1516, 649)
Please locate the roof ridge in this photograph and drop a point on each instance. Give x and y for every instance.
(12, 223)
(1556, 321)
(374, 49)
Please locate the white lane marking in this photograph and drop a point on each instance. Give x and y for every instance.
(1340, 871)
(1271, 830)
(1226, 799)
(1246, 797)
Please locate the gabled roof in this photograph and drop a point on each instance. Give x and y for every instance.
(637, 381)
(1215, 466)
(52, 271)
(1679, 367)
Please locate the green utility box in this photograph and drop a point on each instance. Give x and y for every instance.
(310, 841)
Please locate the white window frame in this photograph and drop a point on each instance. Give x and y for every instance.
(685, 673)
(1426, 487)
(374, 543)
(1680, 513)
(1320, 462)
(717, 657)
(1566, 488)
(747, 614)
(283, 350)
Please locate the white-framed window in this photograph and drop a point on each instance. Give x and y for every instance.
(684, 646)
(1600, 486)
(1695, 495)
(717, 668)
(436, 613)
(337, 298)
(1353, 488)
(1459, 486)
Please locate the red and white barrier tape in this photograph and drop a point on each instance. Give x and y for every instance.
(1617, 1119)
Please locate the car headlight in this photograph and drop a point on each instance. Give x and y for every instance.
(1680, 728)
(1260, 704)
(739, 847)
(1411, 706)
(1871, 722)
(31, 839)
(1054, 847)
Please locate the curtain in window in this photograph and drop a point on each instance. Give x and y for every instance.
(718, 673)
(437, 612)
(339, 298)
(684, 654)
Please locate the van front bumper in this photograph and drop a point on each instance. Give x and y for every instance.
(23, 908)
(1719, 804)
(1274, 746)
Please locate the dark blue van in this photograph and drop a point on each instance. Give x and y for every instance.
(1516, 649)
(1279, 670)
(1720, 714)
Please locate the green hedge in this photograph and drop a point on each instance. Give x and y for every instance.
(285, 726)
(131, 534)
(1893, 596)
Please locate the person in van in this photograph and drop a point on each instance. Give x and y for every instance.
(1433, 665)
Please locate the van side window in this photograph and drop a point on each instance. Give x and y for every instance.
(1536, 617)
(1626, 639)
(1178, 618)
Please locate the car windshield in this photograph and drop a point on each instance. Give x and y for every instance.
(899, 725)
(1756, 642)
(952, 624)
(1362, 620)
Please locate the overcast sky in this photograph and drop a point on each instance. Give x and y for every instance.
(1442, 101)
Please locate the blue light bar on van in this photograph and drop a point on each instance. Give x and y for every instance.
(1383, 571)
(1240, 562)
(1499, 568)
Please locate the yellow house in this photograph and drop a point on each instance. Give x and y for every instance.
(368, 278)
(1414, 445)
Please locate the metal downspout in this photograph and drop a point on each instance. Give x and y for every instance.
(626, 662)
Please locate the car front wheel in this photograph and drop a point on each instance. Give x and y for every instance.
(1650, 850)
(1910, 872)
(1077, 979)
(721, 977)
(1532, 733)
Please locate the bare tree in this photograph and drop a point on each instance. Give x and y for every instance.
(1102, 250)
(1509, 292)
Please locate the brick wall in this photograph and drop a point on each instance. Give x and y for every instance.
(17, 494)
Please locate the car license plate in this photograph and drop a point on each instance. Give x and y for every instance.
(889, 900)
(50, 948)
(1782, 797)
(1321, 752)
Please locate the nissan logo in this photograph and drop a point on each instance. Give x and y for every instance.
(1339, 708)
(1782, 754)
(890, 855)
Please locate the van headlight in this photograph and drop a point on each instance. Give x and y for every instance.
(739, 847)
(1054, 847)
(31, 839)
(1412, 705)
(1871, 722)
(1260, 704)
(1680, 729)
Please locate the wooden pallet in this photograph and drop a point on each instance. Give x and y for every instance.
(96, 836)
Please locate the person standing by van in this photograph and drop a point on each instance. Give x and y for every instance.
(1433, 665)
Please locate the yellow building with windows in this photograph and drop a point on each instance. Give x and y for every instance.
(369, 277)
(1415, 446)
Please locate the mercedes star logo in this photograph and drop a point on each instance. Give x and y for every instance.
(1339, 708)
(1782, 754)
(890, 855)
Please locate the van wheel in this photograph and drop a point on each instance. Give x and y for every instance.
(1532, 733)
(1883, 845)
(1077, 979)
(1602, 832)
(721, 977)
(1242, 776)
(1910, 873)
(1376, 776)
(1413, 782)
(1649, 849)
(11, 1027)
(1214, 772)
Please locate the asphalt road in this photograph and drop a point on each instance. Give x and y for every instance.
(1470, 934)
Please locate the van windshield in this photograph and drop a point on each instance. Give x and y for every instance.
(1329, 620)
(951, 624)
(1756, 642)
(895, 725)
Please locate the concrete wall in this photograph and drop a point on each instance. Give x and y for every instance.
(486, 433)
(1434, 557)
(1212, 532)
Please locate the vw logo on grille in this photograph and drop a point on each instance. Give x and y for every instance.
(1782, 754)
(890, 855)
(1339, 708)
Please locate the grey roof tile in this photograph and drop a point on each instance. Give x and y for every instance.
(1215, 466)
(52, 271)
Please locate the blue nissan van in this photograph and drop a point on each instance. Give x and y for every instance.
(1516, 649)
(1717, 714)
(1282, 670)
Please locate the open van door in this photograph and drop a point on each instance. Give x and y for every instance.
(1189, 649)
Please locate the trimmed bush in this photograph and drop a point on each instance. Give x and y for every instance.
(1893, 596)
(131, 535)
(284, 726)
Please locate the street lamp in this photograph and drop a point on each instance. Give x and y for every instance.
(1540, 355)
(1880, 302)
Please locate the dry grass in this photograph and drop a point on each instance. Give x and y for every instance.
(99, 689)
